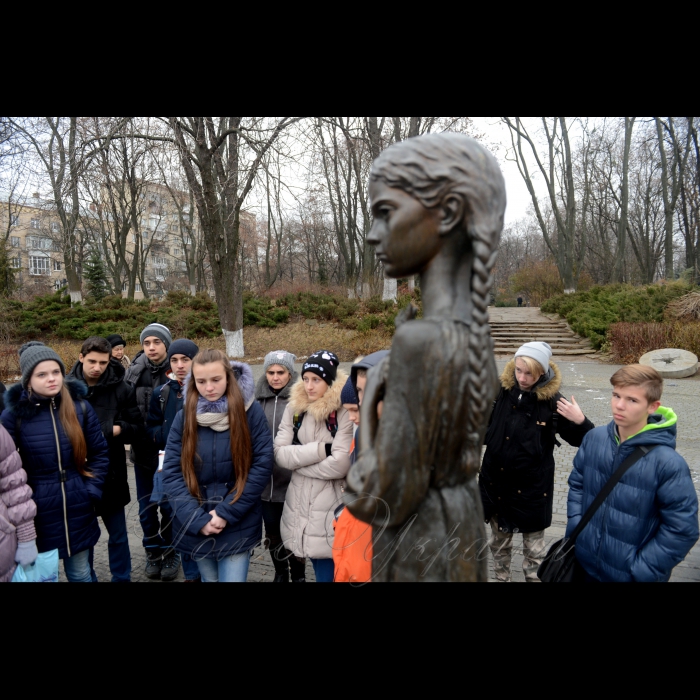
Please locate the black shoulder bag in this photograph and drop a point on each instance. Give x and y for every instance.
(561, 565)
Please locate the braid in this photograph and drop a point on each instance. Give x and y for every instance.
(482, 366)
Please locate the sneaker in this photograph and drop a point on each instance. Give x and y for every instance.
(154, 565)
(171, 567)
(299, 580)
(281, 578)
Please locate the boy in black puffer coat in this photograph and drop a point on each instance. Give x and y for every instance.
(517, 475)
(114, 402)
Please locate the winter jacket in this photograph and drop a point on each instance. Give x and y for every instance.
(274, 406)
(145, 378)
(318, 481)
(216, 478)
(517, 475)
(649, 523)
(65, 499)
(114, 402)
(17, 509)
(162, 413)
(3, 389)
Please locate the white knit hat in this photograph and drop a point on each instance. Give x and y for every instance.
(541, 352)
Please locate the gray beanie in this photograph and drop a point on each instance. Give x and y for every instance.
(156, 330)
(281, 358)
(33, 354)
(541, 352)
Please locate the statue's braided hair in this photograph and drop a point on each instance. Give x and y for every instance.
(429, 168)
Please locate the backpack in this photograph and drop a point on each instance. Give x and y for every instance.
(331, 424)
(164, 396)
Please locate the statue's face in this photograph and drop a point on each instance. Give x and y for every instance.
(405, 234)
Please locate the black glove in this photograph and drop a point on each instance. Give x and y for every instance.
(329, 450)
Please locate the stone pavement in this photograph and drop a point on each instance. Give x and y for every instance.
(590, 384)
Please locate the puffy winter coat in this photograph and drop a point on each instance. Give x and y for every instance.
(318, 481)
(274, 406)
(216, 478)
(649, 523)
(145, 378)
(65, 499)
(114, 402)
(165, 405)
(517, 474)
(17, 509)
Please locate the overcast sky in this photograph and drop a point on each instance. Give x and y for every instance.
(497, 135)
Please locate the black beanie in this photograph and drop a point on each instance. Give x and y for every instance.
(183, 347)
(116, 340)
(323, 364)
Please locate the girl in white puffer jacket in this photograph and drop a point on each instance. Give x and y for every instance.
(314, 443)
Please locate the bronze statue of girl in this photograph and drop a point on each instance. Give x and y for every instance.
(438, 203)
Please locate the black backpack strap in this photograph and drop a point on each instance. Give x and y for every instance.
(332, 424)
(83, 408)
(298, 422)
(639, 454)
(164, 396)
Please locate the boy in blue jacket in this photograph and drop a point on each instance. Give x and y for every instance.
(167, 401)
(649, 523)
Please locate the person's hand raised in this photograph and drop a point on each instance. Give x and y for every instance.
(571, 411)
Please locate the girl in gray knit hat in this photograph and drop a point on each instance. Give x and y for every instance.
(64, 453)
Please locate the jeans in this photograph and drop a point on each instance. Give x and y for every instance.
(230, 570)
(119, 552)
(157, 532)
(282, 558)
(78, 569)
(324, 569)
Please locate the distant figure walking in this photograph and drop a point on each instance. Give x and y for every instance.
(521, 301)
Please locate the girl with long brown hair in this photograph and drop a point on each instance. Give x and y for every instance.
(218, 461)
(66, 458)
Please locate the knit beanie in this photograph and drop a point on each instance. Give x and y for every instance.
(116, 340)
(281, 358)
(323, 364)
(156, 330)
(541, 352)
(183, 347)
(33, 354)
(349, 396)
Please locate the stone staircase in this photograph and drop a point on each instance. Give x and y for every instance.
(512, 328)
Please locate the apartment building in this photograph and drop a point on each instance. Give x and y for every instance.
(32, 237)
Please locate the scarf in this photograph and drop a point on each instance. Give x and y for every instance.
(213, 414)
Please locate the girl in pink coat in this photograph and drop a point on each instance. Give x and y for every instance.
(17, 512)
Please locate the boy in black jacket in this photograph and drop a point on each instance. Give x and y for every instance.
(114, 403)
(167, 401)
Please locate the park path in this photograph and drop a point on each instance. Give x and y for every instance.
(512, 328)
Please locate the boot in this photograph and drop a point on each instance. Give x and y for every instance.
(171, 566)
(298, 569)
(154, 564)
(279, 560)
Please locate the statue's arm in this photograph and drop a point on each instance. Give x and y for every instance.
(393, 466)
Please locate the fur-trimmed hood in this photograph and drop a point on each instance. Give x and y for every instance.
(18, 403)
(246, 383)
(322, 409)
(264, 392)
(546, 390)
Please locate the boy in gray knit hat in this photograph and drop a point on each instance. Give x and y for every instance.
(33, 354)
(149, 371)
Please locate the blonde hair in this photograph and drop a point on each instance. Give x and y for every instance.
(646, 378)
(536, 369)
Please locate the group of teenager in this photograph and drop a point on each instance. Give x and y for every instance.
(216, 455)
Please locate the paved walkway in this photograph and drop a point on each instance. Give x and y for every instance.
(590, 384)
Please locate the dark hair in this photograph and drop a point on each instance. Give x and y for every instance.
(104, 347)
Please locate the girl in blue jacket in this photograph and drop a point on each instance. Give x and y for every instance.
(66, 458)
(218, 461)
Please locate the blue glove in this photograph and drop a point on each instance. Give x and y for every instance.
(27, 554)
